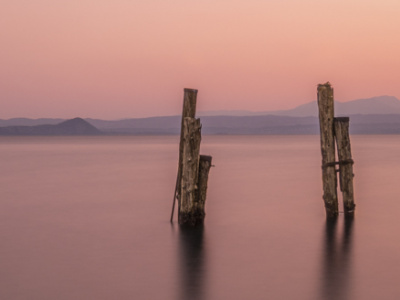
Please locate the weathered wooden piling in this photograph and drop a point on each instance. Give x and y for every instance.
(326, 116)
(190, 171)
(193, 168)
(202, 184)
(188, 111)
(341, 126)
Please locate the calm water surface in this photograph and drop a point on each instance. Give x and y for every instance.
(88, 218)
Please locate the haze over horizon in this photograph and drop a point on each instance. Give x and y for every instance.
(114, 60)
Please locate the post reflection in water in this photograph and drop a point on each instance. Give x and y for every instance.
(337, 260)
(192, 263)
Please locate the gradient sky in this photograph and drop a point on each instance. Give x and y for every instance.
(132, 58)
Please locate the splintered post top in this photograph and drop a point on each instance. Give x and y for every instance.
(190, 90)
(326, 85)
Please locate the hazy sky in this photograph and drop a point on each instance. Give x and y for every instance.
(132, 58)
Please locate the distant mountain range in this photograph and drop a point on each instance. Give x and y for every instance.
(75, 126)
(377, 105)
(378, 115)
(247, 125)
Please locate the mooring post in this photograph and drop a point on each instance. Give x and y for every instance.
(188, 111)
(326, 116)
(202, 184)
(193, 168)
(190, 171)
(341, 126)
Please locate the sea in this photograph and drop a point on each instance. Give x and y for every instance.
(89, 218)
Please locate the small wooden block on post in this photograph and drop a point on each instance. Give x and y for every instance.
(326, 116)
(341, 126)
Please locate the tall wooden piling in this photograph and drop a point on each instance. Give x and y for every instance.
(188, 111)
(326, 116)
(193, 168)
(190, 171)
(341, 126)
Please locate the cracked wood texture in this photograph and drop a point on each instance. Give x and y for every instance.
(188, 111)
(202, 184)
(326, 116)
(346, 175)
(191, 137)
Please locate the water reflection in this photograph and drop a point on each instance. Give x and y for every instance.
(337, 260)
(192, 263)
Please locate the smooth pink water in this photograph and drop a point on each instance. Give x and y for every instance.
(88, 218)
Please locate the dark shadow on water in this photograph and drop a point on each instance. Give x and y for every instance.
(337, 260)
(192, 263)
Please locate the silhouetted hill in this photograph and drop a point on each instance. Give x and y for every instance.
(381, 105)
(359, 124)
(262, 125)
(367, 116)
(75, 126)
(212, 125)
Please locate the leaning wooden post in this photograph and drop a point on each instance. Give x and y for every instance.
(346, 162)
(188, 111)
(326, 115)
(190, 171)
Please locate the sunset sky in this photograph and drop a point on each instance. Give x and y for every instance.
(132, 58)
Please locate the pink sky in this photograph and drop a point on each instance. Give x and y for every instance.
(132, 58)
